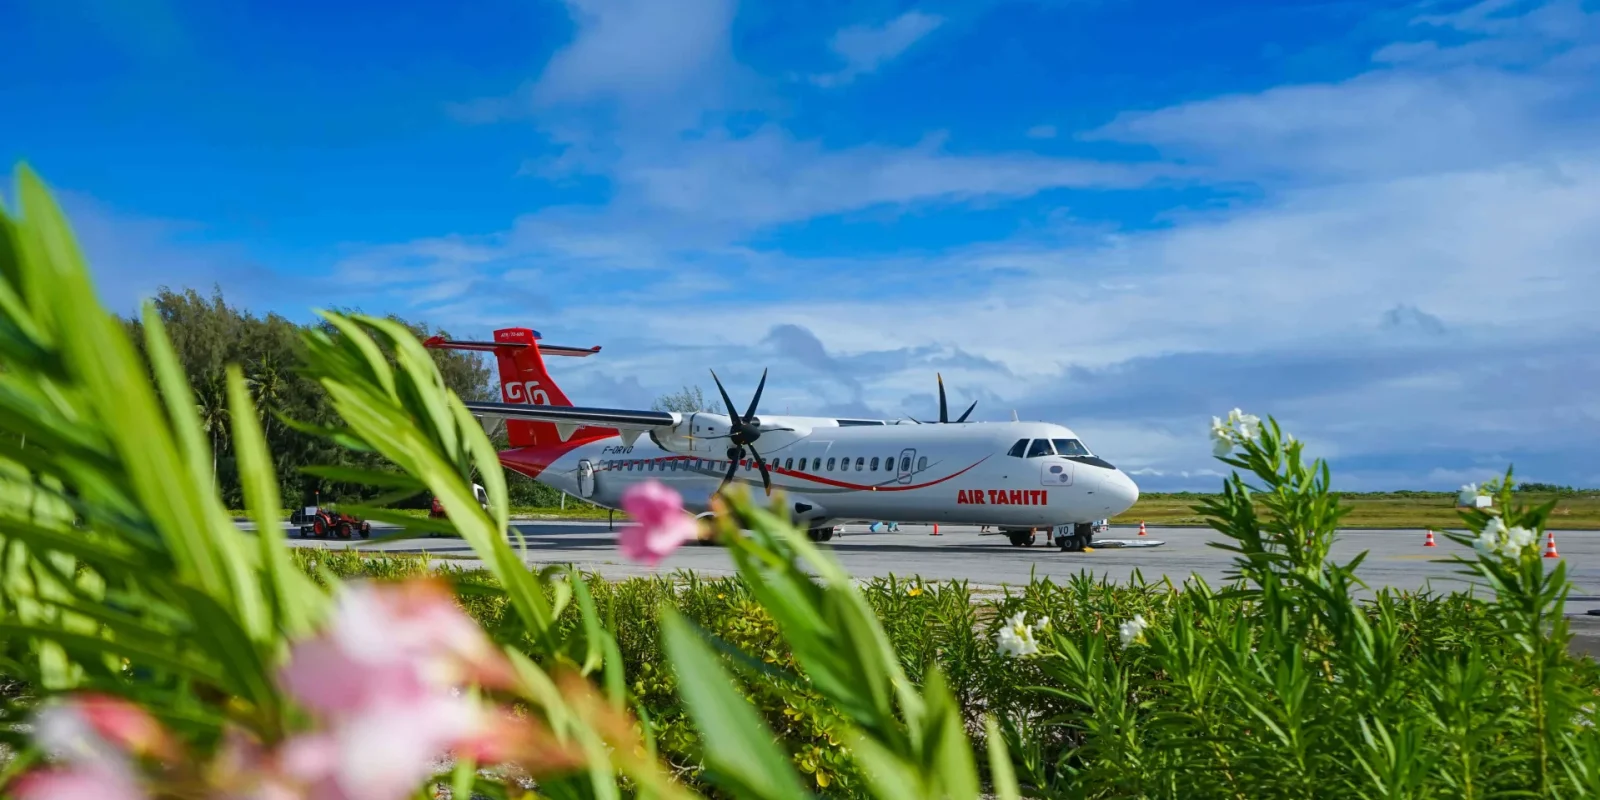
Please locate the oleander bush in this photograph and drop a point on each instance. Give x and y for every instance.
(162, 652)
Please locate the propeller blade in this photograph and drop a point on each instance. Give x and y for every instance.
(733, 466)
(766, 477)
(968, 411)
(732, 414)
(944, 410)
(751, 413)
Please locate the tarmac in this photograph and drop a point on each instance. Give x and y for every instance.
(1395, 558)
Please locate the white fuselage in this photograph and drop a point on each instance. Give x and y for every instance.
(969, 473)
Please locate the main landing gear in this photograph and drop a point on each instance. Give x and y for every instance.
(1074, 538)
(820, 534)
(1022, 538)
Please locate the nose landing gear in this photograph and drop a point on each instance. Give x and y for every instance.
(1074, 538)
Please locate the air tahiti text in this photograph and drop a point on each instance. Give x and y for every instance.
(1003, 497)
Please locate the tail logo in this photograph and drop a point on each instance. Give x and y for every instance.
(521, 391)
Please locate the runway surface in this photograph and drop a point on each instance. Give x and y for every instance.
(1395, 558)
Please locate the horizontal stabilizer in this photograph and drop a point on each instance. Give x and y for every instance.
(441, 343)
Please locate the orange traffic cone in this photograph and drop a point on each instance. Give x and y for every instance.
(1550, 545)
(1429, 542)
(1141, 527)
(935, 529)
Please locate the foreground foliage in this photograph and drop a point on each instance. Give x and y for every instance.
(123, 576)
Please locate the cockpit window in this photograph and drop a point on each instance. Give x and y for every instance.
(1019, 448)
(1040, 447)
(1070, 447)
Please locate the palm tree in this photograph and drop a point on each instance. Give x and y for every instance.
(213, 410)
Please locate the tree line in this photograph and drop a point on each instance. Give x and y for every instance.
(208, 334)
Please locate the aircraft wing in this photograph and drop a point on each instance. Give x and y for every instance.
(630, 423)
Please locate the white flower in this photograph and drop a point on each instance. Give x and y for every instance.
(1485, 545)
(1221, 438)
(1248, 426)
(1497, 538)
(1016, 638)
(1042, 625)
(1133, 630)
(1519, 539)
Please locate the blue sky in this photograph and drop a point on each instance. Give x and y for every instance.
(1378, 221)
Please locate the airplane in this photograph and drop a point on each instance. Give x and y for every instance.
(1020, 477)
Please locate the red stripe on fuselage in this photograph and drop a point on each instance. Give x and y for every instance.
(535, 459)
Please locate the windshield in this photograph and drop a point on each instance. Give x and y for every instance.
(1070, 447)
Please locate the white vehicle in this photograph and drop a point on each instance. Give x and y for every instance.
(1022, 477)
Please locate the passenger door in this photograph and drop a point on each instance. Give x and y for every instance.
(585, 478)
(908, 458)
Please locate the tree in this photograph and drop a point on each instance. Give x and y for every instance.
(687, 400)
(207, 335)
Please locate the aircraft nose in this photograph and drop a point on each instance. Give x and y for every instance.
(1121, 492)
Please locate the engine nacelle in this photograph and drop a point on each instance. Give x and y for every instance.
(706, 433)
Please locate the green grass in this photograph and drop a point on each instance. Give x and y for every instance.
(1385, 510)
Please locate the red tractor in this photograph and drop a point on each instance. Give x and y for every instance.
(323, 523)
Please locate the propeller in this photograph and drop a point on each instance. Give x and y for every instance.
(743, 433)
(944, 408)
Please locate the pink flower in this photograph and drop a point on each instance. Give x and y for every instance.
(662, 526)
(83, 783)
(385, 752)
(395, 642)
(98, 729)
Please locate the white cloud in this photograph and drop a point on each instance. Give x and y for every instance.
(638, 49)
(656, 62)
(131, 257)
(1409, 294)
(865, 48)
(769, 177)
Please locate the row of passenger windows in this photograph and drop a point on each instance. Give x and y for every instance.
(862, 464)
(1047, 447)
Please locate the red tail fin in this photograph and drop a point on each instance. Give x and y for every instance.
(523, 378)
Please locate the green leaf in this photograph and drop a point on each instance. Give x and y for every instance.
(296, 601)
(1001, 773)
(740, 754)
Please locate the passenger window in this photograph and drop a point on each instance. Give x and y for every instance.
(874, 464)
(830, 465)
(788, 463)
(859, 462)
(816, 465)
(905, 463)
(888, 464)
(844, 464)
(1041, 447)
(922, 463)
(1018, 449)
